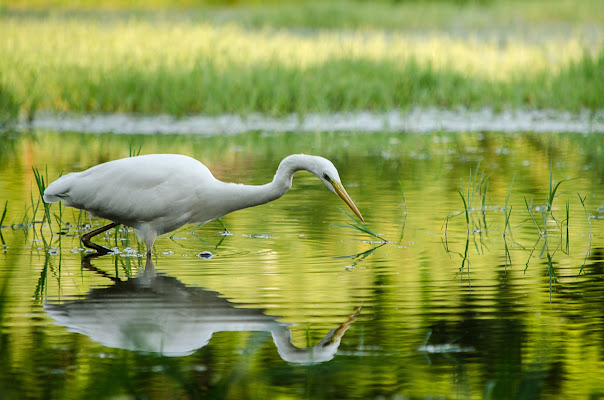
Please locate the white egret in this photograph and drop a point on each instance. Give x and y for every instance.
(159, 193)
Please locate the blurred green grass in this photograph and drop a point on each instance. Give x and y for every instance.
(103, 56)
(351, 14)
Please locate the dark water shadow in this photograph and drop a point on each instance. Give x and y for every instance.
(156, 313)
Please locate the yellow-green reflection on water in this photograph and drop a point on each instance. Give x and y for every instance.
(408, 320)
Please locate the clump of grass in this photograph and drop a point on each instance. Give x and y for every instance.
(546, 210)
(475, 192)
(547, 214)
(545, 250)
(41, 184)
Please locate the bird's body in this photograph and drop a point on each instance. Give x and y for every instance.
(159, 193)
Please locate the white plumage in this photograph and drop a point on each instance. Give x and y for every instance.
(159, 193)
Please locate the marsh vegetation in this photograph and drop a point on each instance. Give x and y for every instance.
(254, 59)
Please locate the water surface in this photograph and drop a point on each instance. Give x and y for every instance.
(290, 303)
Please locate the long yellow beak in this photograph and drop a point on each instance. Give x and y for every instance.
(342, 193)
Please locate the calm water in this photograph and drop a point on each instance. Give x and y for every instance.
(290, 303)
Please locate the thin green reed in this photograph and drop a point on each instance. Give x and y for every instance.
(41, 184)
(507, 227)
(4, 213)
(2, 220)
(476, 187)
(547, 213)
(132, 152)
(465, 206)
(404, 212)
(566, 223)
(552, 189)
(508, 212)
(59, 216)
(360, 227)
(582, 200)
(529, 208)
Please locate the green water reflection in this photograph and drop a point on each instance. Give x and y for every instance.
(156, 313)
(292, 304)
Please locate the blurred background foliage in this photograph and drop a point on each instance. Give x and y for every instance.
(299, 57)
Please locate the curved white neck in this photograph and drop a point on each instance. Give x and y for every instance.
(239, 196)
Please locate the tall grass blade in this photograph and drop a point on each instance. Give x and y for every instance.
(485, 187)
(530, 211)
(567, 221)
(226, 230)
(359, 226)
(4, 213)
(552, 188)
(582, 200)
(551, 273)
(528, 260)
(508, 256)
(466, 261)
(507, 228)
(465, 206)
(404, 212)
(552, 194)
(2, 220)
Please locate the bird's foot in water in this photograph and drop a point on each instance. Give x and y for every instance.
(88, 243)
(100, 250)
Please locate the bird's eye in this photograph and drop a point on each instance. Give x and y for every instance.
(326, 177)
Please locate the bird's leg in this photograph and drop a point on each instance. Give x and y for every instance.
(87, 236)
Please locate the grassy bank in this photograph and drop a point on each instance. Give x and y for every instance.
(180, 66)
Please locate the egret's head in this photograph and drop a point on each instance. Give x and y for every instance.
(328, 174)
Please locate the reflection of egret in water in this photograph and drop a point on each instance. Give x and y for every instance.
(159, 314)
